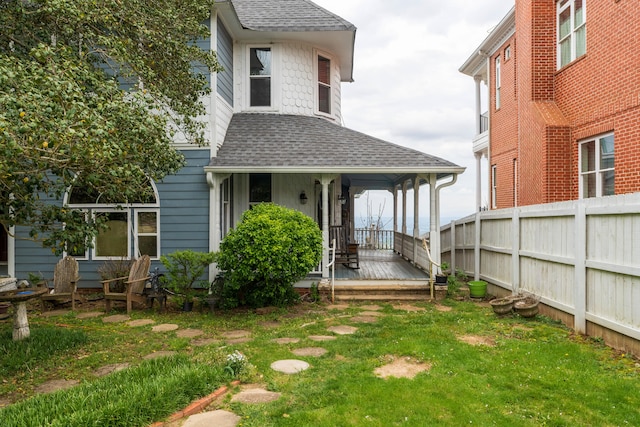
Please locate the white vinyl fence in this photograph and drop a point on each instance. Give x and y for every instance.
(581, 257)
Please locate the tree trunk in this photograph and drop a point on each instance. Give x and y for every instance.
(20, 322)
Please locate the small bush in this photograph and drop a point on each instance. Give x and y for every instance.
(185, 269)
(271, 249)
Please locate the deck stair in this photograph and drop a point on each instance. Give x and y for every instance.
(372, 291)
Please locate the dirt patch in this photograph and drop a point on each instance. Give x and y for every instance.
(408, 307)
(364, 319)
(309, 351)
(443, 308)
(401, 367)
(477, 340)
(55, 385)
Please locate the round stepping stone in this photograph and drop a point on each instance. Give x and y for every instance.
(371, 307)
(165, 327)
(289, 366)
(256, 395)
(337, 306)
(238, 333)
(321, 337)
(189, 333)
(54, 313)
(371, 313)
(238, 340)
(204, 341)
(107, 369)
(342, 329)
(159, 354)
(116, 318)
(217, 418)
(310, 351)
(364, 319)
(286, 340)
(141, 322)
(270, 324)
(407, 307)
(55, 385)
(89, 314)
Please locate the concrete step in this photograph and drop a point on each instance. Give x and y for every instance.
(372, 292)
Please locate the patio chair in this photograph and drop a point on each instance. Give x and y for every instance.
(65, 283)
(134, 285)
(346, 252)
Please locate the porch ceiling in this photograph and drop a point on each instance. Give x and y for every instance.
(276, 143)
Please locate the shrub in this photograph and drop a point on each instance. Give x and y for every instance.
(271, 249)
(185, 269)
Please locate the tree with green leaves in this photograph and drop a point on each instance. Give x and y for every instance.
(65, 119)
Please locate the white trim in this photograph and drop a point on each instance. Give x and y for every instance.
(138, 234)
(597, 171)
(332, 90)
(571, 36)
(274, 76)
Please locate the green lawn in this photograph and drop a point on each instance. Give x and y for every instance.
(529, 372)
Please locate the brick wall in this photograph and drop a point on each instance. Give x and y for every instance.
(545, 112)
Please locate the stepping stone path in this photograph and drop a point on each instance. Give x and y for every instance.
(310, 351)
(55, 385)
(364, 319)
(165, 327)
(204, 341)
(108, 369)
(321, 337)
(53, 313)
(217, 418)
(408, 307)
(343, 330)
(189, 333)
(286, 340)
(256, 395)
(371, 307)
(237, 337)
(89, 314)
(371, 313)
(159, 354)
(270, 324)
(116, 318)
(443, 308)
(141, 322)
(289, 366)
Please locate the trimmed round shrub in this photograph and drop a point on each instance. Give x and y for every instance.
(272, 248)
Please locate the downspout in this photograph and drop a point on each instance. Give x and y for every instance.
(435, 245)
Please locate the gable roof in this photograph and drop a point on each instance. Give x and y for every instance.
(288, 15)
(303, 21)
(275, 143)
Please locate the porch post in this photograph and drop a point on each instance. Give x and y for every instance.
(434, 240)
(404, 215)
(214, 180)
(395, 208)
(416, 217)
(325, 180)
(478, 181)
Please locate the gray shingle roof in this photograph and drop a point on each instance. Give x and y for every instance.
(260, 141)
(288, 15)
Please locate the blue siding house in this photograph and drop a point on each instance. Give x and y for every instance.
(274, 124)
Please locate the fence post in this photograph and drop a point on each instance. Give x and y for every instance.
(476, 252)
(452, 246)
(580, 286)
(515, 252)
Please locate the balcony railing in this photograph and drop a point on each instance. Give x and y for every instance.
(484, 122)
(370, 238)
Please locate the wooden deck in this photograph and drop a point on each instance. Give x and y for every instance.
(381, 266)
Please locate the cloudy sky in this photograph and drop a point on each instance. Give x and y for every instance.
(407, 87)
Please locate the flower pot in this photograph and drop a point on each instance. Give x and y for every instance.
(477, 288)
(441, 279)
(502, 305)
(187, 306)
(526, 308)
(4, 307)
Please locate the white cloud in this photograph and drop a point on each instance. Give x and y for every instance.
(408, 89)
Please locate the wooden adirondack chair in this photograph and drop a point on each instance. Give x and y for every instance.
(65, 283)
(133, 285)
(346, 252)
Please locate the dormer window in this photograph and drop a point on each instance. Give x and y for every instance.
(260, 76)
(324, 84)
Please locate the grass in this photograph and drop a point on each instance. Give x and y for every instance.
(537, 373)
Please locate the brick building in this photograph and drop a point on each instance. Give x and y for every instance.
(558, 102)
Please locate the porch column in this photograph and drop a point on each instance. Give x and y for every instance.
(478, 79)
(434, 233)
(416, 217)
(214, 180)
(404, 215)
(325, 180)
(395, 208)
(478, 181)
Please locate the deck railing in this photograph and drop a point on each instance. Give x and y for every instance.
(370, 238)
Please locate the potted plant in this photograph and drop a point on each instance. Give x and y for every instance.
(477, 288)
(184, 270)
(441, 279)
(527, 307)
(502, 305)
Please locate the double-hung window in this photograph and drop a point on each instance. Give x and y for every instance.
(260, 68)
(498, 82)
(572, 31)
(597, 174)
(324, 84)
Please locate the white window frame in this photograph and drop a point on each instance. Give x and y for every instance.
(273, 77)
(598, 171)
(498, 81)
(317, 83)
(494, 186)
(562, 6)
(138, 234)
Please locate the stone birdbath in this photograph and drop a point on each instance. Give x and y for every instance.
(19, 298)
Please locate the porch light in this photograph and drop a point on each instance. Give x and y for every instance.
(303, 198)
